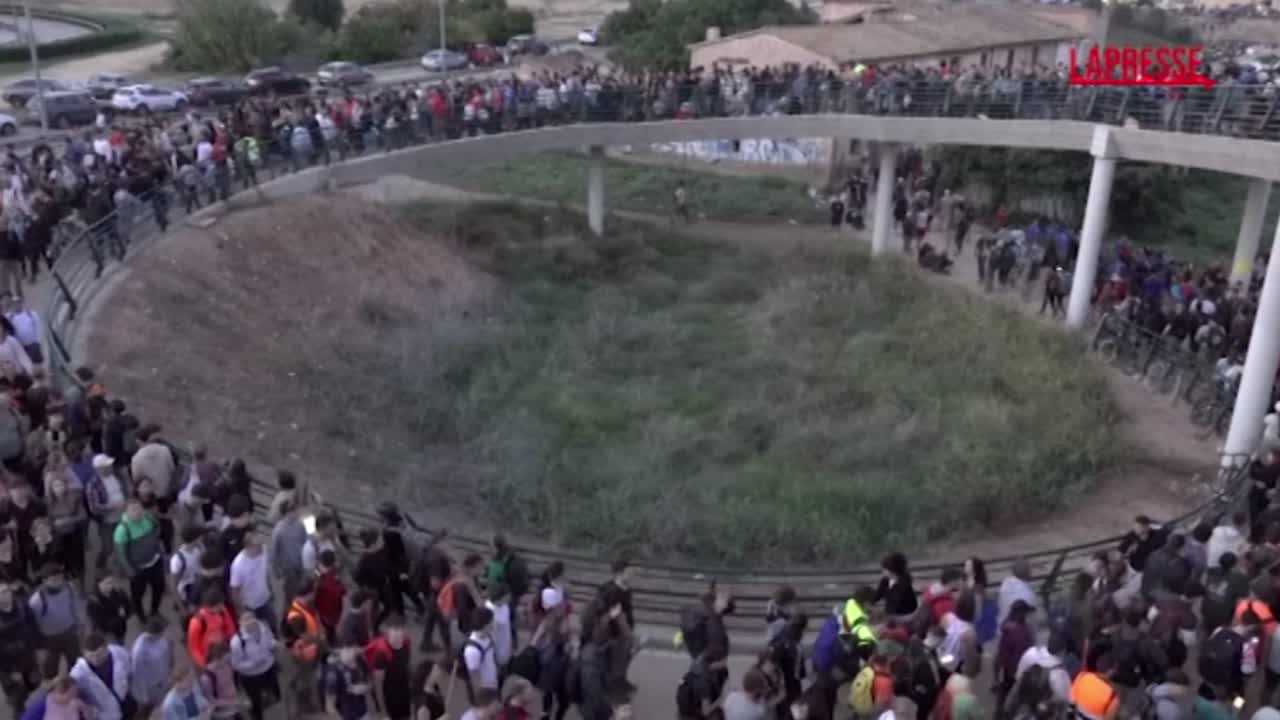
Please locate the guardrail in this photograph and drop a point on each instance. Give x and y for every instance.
(661, 590)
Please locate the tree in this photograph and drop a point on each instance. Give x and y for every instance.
(371, 38)
(223, 34)
(325, 13)
(652, 33)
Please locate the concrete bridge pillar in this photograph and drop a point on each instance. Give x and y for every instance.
(595, 190)
(1095, 225)
(882, 215)
(1260, 364)
(1255, 211)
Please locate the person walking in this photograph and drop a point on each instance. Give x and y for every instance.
(254, 661)
(140, 549)
(151, 660)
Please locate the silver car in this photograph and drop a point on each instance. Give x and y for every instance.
(343, 73)
(441, 60)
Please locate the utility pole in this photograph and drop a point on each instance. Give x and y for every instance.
(442, 48)
(35, 66)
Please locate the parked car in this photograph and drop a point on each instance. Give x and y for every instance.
(8, 124)
(18, 94)
(65, 108)
(342, 74)
(526, 45)
(441, 60)
(148, 98)
(482, 55)
(588, 36)
(102, 87)
(274, 80)
(215, 91)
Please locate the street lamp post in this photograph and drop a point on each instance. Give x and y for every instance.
(442, 26)
(35, 65)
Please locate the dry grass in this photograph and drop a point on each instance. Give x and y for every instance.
(658, 393)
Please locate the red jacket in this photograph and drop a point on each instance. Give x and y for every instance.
(329, 595)
(208, 626)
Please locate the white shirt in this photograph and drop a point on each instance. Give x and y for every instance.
(312, 549)
(204, 153)
(481, 662)
(101, 146)
(551, 597)
(183, 565)
(501, 631)
(1225, 539)
(1059, 680)
(249, 577)
(253, 657)
(26, 326)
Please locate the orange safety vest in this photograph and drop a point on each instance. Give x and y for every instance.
(297, 609)
(1259, 608)
(1092, 695)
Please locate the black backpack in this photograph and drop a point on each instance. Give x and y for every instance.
(693, 628)
(1219, 658)
(527, 664)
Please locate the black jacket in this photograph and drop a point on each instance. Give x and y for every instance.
(109, 614)
(17, 640)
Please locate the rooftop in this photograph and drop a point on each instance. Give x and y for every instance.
(923, 32)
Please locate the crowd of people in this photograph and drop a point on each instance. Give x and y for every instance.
(137, 581)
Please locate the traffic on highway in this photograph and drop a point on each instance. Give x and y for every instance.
(67, 106)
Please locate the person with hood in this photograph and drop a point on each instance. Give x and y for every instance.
(103, 674)
(1173, 698)
(140, 548)
(18, 642)
(108, 608)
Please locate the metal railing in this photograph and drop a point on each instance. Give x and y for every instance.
(661, 590)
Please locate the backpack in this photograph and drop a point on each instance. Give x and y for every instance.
(444, 599)
(832, 650)
(1219, 657)
(527, 664)
(378, 648)
(693, 629)
(862, 695)
(11, 442)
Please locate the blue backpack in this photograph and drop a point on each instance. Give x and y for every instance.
(826, 646)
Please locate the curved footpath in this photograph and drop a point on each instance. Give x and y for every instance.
(662, 591)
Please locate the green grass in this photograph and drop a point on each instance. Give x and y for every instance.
(673, 398)
(562, 178)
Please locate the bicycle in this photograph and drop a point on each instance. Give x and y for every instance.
(1213, 414)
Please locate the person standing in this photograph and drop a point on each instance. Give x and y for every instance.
(151, 660)
(105, 495)
(55, 607)
(140, 549)
(18, 642)
(102, 673)
(390, 660)
(287, 538)
(251, 582)
(254, 661)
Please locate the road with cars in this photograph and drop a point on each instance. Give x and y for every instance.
(24, 123)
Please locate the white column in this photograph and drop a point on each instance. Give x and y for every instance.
(1095, 224)
(883, 213)
(1255, 211)
(595, 190)
(1259, 364)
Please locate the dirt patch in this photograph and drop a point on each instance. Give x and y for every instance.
(204, 334)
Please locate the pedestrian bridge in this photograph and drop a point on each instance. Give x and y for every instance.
(663, 590)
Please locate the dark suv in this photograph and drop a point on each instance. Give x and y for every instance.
(213, 91)
(65, 108)
(274, 80)
(18, 94)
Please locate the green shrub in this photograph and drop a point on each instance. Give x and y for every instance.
(371, 39)
(321, 13)
(670, 397)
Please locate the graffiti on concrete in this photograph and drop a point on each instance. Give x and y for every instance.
(800, 151)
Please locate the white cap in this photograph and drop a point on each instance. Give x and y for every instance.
(101, 461)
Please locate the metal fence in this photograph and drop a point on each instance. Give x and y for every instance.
(660, 590)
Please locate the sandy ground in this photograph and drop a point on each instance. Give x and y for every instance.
(271, 427)
(131, 62)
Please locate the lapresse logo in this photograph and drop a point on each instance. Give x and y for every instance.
(1139, 65)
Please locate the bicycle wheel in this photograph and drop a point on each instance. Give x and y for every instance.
(1161, 377)
(1203, 412)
